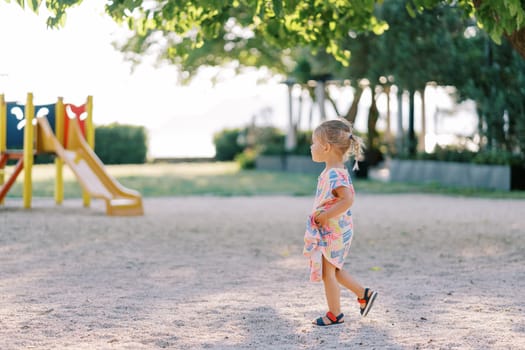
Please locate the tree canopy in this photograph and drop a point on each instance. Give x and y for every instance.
(320, 24)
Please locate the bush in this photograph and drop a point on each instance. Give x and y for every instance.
(268, 141)
(121, 144)
(227, 144)
(304, 141)
(500, 158)
(448, 154)
(246, 159)
(461, 155)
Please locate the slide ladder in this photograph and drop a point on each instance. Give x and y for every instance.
(4, 157)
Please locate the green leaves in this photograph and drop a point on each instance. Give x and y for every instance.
(410, 9)
(34, 5)
(277, 7)
(318, 24)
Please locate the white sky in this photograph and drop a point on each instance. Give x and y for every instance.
(79, 60)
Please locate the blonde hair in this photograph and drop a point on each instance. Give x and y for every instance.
(339, 133)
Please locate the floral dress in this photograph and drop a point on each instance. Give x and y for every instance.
(333, 240)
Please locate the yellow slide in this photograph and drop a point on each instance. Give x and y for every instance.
(89, 170)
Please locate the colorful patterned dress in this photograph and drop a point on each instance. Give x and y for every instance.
(333, 241)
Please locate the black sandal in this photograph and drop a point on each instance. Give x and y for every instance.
(367, 301)
(332, 318)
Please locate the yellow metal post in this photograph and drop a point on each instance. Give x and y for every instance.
(90, 138)
(59, 163)
(3, 136)
(28, 150)
(90, 130)
(3, 124)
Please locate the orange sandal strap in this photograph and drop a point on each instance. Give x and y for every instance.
(332, 317)
(365, 298)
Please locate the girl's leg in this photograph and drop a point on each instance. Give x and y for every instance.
(349, 282)
(331, 288)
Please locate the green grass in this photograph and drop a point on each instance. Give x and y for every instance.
(225, 179)
(157, 180)
(370, 186)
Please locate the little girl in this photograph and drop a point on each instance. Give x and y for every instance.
(329, 228)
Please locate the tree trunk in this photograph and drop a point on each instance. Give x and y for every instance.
(517, 40)
(312, 105)
(373, 116)
(388, 136)
(299, 110)
(373, 155)
(388, 112)
(423, 134)
(320, 97)
(411, 133)
(291, 136)
(400, 131)
(352, 111)
(332, 102)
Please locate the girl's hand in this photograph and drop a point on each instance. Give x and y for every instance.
(321, 219)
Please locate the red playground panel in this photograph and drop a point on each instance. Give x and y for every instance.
(74, 112)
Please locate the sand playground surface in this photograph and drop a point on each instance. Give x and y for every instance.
(228, 273)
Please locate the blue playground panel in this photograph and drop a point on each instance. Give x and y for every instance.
(16, 122)
(15, 125)
(47, 111)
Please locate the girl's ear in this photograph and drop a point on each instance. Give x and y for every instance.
(327, 147)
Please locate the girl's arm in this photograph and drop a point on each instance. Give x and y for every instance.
(345, 200)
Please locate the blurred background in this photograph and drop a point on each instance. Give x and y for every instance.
(417, 84)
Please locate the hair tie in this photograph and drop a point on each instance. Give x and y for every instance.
(356, 166)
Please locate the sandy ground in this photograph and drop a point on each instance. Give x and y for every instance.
(228, 273)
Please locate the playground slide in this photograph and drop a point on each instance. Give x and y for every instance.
(90, 171)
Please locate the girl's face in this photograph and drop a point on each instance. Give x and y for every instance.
(318, 149)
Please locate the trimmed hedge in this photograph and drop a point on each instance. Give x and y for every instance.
(121, 144)
(460, 155)
(227, 144)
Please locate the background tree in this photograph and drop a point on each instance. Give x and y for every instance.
(494, 79)
(502, 18)
(419, 50)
